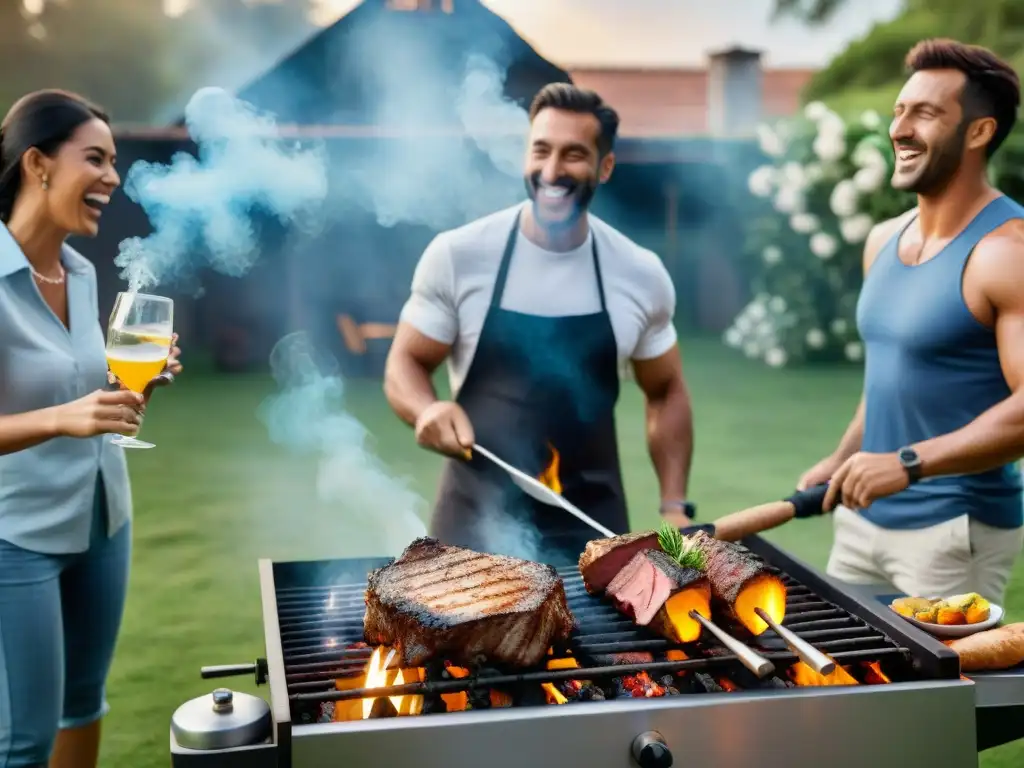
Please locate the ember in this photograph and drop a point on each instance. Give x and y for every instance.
(638, 686)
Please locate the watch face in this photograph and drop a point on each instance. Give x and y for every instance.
(908, 456)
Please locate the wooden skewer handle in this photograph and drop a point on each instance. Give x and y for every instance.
(747, 522)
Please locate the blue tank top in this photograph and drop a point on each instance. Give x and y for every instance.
(930, 369)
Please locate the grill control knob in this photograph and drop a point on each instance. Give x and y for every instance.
(651, 751)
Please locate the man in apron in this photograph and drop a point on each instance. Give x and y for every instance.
(535, 308)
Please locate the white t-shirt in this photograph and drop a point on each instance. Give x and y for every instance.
(454, 281)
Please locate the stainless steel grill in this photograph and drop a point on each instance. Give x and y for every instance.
(707, 709)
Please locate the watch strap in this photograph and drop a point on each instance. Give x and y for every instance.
(688, 508)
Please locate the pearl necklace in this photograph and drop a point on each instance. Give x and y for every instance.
(49, 280)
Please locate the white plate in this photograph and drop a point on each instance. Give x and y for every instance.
(959, 630)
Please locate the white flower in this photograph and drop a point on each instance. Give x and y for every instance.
(871, 120)
(752, 349)
(829, 148)
(734, 338)
(777, 305)
(839, 326)
(816, 338)
(843, 200)
(870, 179)
(854, 351)
(756, 311)
(793, 175)
(815, 111)
(823, 245)
(831, 125)
(775, 357)
(761, 181)
(772, 254)
(789, 200)
(814, 172)
(769, 141)
(867, 155)
(855, 229)
(804, 223)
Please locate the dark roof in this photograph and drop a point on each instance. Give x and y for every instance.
(376, 65)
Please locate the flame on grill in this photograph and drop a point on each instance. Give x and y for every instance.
(550, 474)
(551, 693)
(803, 675)
(873, 674)
(379, 676)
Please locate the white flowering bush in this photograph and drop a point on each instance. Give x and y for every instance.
(823, 186)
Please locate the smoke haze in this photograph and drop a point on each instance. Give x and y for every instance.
(432, 178)
(202, 211)
(308, 416)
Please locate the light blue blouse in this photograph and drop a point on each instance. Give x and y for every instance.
(47, 491)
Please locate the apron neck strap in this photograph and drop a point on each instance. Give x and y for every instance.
(506, 260)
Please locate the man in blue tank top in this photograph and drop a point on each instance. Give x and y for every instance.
(927, 471)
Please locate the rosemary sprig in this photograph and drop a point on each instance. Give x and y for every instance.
(671, 541)
(682, 549)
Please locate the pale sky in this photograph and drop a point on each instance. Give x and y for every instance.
(671, 32)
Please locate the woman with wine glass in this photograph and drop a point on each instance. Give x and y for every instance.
(65, 499)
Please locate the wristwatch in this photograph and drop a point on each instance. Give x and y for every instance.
(688, 508)
(910, 462)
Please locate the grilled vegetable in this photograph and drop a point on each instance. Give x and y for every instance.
(969, 608)
(741, 582)
(992, 649)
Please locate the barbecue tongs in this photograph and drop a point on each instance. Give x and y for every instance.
(750, 658)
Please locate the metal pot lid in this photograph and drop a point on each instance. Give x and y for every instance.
(221, 720)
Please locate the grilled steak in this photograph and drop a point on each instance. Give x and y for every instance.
(602, 559)
(654, 589)
(440, 601)
(741, 582)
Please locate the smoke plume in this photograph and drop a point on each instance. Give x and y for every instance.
(203, 210)
(204, 213)
(434, 178)
(308, 416)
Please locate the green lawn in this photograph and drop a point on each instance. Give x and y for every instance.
(215, 495)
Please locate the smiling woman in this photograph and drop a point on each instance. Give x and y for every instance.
(65, 499)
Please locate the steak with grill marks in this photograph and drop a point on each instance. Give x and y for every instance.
(466, 607)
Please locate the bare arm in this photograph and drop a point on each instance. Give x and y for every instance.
(98, 413)
(996, 437)
(19, 431)
(669, 421)
(853, 437)
(408, 372)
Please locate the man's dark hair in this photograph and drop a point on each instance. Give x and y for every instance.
(573, 99)
(992, 88)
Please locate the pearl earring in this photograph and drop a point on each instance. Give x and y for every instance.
(46, 184)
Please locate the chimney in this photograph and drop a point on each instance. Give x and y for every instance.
(734, 92)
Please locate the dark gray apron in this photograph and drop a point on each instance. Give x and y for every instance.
(535, 384)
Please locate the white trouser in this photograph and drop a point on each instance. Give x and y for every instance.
(960, 556)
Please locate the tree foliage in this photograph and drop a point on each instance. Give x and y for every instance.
(132, 58)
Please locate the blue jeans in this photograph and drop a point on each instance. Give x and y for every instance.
(59, 620)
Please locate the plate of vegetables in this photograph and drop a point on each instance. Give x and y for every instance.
(955, 616)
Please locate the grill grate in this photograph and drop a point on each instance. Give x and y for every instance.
(319, 624)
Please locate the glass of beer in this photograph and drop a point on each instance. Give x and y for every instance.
(138, 343)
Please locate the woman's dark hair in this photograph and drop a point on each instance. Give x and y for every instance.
(44, 120)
